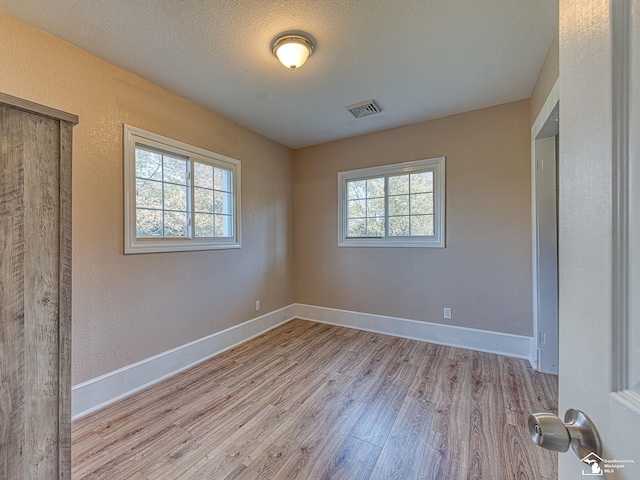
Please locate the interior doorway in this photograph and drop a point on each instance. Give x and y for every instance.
(544, 191)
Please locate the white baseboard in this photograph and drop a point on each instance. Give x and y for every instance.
(101, 391)
(473, 339)
(534, 355)
(96, 393)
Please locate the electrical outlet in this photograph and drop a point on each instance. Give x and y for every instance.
(257, 305)
(447, 312)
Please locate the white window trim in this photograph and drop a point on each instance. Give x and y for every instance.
(437, 165)
(132, 244)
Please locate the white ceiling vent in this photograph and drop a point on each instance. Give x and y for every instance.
(364, 109)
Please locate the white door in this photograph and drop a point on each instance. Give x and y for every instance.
(599, 263)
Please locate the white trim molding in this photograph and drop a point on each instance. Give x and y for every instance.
(136, 139)
(436, 166)
(534, 354)
(507, 344)
(546, 357)
(99, 392)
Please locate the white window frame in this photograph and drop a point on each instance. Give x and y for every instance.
(435, 165)
(132, 244)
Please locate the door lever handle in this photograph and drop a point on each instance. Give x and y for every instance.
(577, 431)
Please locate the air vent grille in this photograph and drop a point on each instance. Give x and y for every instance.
(364, 109)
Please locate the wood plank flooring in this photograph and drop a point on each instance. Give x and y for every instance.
(313, 401)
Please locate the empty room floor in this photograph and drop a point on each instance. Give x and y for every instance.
(314, 401)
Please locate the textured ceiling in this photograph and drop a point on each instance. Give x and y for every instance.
(420, 59)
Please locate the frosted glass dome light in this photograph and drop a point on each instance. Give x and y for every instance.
(292, 49)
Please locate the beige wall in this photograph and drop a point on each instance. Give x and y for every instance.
(127, 308)
(484, 273)
(546, 79)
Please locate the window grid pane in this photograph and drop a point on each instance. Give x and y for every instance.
(174, 170)
(148, 223)
(175, 224)
(407, 210)
(365, 207)
(203, 200)
(203, 175)
(161, 194)
(214, 196)
(406, 204)
(203, 225)
(148, 165)
(410, 205)
(223, 226)
(148, 193)
(163, 197)
(357, 208)
(175, 198)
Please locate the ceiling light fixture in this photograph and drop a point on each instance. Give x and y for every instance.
(292, 48)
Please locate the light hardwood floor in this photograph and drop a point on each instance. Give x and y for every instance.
(313, 401)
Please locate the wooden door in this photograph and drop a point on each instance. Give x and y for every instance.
(35, 291)
(599, 229)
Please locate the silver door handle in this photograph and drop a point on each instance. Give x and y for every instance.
(577, 431)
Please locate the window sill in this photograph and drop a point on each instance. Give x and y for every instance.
(161, 246)
(394, 244)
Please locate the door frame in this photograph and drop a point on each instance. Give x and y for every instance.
(543, 359)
